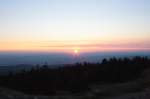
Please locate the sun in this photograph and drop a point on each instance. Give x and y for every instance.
(76, 50)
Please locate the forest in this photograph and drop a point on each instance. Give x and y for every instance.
(75, 78)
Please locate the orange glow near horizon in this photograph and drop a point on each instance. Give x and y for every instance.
(75, 46)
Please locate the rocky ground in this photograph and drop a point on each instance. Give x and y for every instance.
(130, 90)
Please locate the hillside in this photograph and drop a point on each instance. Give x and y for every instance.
(113, 78)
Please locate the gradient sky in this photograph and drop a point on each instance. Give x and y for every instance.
(65, 25)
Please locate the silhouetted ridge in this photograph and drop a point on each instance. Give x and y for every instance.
(76, 77)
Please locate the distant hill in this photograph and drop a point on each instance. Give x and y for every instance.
(61, 58)
(16, 68)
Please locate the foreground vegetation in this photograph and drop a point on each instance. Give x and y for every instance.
(80, 78)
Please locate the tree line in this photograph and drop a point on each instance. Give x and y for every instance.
(75, 78)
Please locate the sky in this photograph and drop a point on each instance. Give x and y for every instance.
(74, 25)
